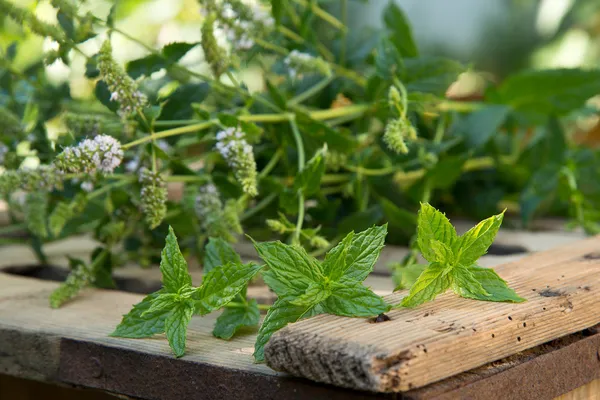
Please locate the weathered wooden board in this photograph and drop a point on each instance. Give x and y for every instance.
(450, 335)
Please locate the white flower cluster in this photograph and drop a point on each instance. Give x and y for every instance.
(208, 203)
(239, 156)
(101, 154)
(299, 63)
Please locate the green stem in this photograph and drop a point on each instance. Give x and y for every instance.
(171, 132)
(332, 113)
(282, 117)
(324, 15)
(322, 84)
(271, 164)
(258, 207)
(111, 186)
(234, 304)
(301, 161)
(344, 12)
(372, 172)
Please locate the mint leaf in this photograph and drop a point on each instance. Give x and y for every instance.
(495, 286)
(176, 326)
(433, 225)
(354, 301)
(234, 318)
(353, 259)
(442, 252)
(222, 284)
(134, 325)
(279, 315)
(463, 278)
(173, 266)
(162, 303)
(219, 252)
(405, 277)
(315, 293)
(291, 269)
(433, 281)
(401, 31)
(308, 180)
(475, 242)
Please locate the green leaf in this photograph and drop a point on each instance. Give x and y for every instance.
(479, 127)
(443, 253)
(66, 23)
(179, 103)
(405, 277)
(219, 252)
(402, 222)
(433, 281)
(544, 92)
(279, 315)
(354, 301)
(291, 269)
(315, 293)
(222, 284)
(463, 279)
(173, 266)
(103, 95)
(495, 286)
(162, 303)
(36, 208)
(277, 8)
(446, 172)
(309, 179)
(176, 327)
(387, 59)
(401, 31)
(433, 225)
(175, 51)
(430, 74)
(146, 66)
(353, 259)
(134, 325)
(110, 19)
(475, 242)
(234, 318)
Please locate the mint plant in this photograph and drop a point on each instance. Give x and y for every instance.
(170, 309)
(452, 261)
(306, 287)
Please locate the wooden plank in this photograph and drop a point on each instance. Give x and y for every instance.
(450, 335)
(591, 391)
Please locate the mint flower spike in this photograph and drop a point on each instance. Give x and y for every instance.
(27, 17)
(123, 88)
(299, 63)
(153, 197)
(99, 155)
(238, 154)
(217, 220)
(397, 131)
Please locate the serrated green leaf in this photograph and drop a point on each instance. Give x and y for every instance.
(405, 277)
(401, 31)
(353, 259)
(433, 281)
(222, 284)
(291, 269)
(134, 325)
(279, 315)
(234, 318)
(462, 278)
(173, 266)
(443, 253)
(495, 286)
(146, 66)
(161, 303)
(176, 327)
(430, 74)
(354, 301)
(314, 294)
(308, 180)
(479, 127)
(219, 252)
(433, 225)
(475, 242)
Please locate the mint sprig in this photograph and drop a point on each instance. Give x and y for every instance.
(452, 261)
(170, 309)
(307, 287)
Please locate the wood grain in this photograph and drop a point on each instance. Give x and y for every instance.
(450, 335)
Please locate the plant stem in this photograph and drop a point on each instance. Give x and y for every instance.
(344, 12)
(322, 84)
(111, 186)
(300, 147)
(271, 164)
(324, 15)
(339, 112)
(283, 117)
(171, 132)
(258, 207)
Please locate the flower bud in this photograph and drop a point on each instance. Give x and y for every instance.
(153, 197)
(238, 154)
